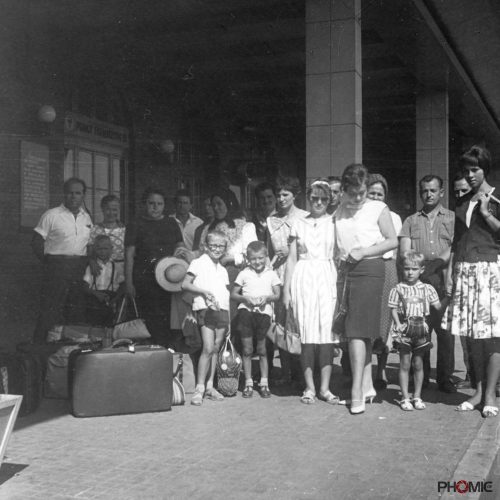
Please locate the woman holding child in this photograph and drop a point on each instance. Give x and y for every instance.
(474, 278)
(365, 232)
(310, 289)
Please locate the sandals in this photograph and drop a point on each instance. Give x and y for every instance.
(465, 406)
(308, 397)
(405, 404)
(247, 391)
(214, 395)
(329, 397)
(489, 411)
(418, 404)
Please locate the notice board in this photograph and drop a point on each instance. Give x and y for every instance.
(34, 182)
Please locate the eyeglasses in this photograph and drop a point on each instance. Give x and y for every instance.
(216, 247)
(317, 199)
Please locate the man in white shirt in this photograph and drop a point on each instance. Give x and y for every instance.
(188, 223)
(60, 242)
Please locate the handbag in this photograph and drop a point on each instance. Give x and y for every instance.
(338, 327)
(178, 393)
(285, 337)
(132, 329)
(228, 369)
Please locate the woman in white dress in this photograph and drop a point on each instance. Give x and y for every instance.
(310, 289)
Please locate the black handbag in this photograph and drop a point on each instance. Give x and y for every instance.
(340, 316)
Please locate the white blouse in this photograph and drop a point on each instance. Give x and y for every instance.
(359, 229)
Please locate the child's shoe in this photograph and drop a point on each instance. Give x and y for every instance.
(264, 391)
(214, 394)
(247, 391)
(197, 398)
(418, 404)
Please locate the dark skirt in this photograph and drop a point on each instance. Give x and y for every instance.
(365, 284)
(390, 281)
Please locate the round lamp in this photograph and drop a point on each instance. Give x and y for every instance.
(167, 146)
(47, 114)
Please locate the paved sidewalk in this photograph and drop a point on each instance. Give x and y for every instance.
(248, 449)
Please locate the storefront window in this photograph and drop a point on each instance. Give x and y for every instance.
(101, 173)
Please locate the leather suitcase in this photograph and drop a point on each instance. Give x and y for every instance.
(21, 373)
(120, 379)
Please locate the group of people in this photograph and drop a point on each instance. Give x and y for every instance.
(331, 272)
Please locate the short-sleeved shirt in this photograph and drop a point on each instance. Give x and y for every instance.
(188, 229)
(108, 279)
(421, 290)
(358, 230)
(65, 234)
(431, 241)
(211, 276)
(117, 237)
(255, 284)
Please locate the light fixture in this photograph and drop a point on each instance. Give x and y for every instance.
(167, 146)
(46, 113)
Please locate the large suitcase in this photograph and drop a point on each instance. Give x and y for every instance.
(21, 373)
(120, 379)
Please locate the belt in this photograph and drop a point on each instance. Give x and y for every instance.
(50, 256)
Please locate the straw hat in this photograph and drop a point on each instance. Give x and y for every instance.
(170, 272)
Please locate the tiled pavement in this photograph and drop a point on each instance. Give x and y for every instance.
(246, 449)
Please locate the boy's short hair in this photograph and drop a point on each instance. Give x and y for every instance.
(217, 234)
(102, 237)
(256, 246)
(414, 258)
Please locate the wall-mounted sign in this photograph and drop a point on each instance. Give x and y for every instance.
(34, 182)
(83, 126)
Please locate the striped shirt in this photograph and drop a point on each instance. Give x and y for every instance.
(417, 299)
(431, 241)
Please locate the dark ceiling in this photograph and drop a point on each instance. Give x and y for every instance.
(221, 68)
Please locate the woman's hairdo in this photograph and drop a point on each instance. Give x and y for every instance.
(150, 191)
(476, 156)
(378, 179)
(354, 175)
(291, 184)
(323, 185)
(108, 199)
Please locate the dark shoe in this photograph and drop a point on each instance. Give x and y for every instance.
(379, 384)
(247, 391)
(463, 384)
(264, 391)
(447, 387)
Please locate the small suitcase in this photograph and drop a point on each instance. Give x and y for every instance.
(21, 373)
(120, 379)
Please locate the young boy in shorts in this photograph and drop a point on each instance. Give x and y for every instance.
(410, 302)
(209, 281)
(255, 289)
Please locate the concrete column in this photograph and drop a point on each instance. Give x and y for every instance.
(433, 136)
(333, 86)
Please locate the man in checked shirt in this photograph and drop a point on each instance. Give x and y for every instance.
(430, 232)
